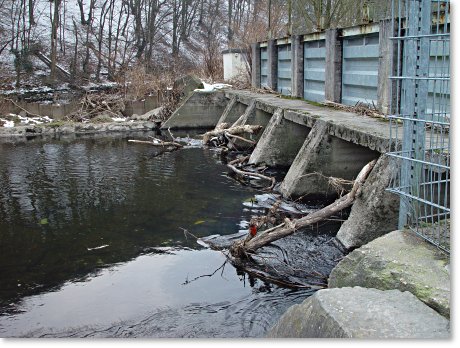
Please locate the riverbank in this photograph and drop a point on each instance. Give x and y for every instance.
(63, 128)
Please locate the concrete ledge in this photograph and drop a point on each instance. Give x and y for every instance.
(74, 128)
(358, 129)
(399, 260)
(361, 313)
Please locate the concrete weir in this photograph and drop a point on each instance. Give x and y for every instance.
(316, 143)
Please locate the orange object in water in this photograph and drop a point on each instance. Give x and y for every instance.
(253, 230)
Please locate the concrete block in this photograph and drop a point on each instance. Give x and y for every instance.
(399, 260)
(272, 52)
(375, 212)
(46, 110)
(58, 112)
(333, 70)
(255, 65)
(151, 102)
(280, 142)
(33, 108)
(297, 66)
(138, 107)
(361, 313)
(199, 110)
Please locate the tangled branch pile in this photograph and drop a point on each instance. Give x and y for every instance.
(243, 247)
(93, 105)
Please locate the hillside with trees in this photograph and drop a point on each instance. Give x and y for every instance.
(70, 43)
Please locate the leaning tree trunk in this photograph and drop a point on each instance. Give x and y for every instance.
(242, 247)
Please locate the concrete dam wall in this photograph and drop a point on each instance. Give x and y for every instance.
(316, 143)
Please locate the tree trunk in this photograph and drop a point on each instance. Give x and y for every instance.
(242, 247)
(54, 26)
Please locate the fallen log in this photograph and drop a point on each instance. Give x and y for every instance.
(219, 131)
(242, 247)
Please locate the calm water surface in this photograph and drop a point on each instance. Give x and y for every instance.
(91, 244)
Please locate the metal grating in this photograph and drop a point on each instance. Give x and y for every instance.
(314, 70)
(284, 85)
(360, 68)
(420, 127)
(263, 67)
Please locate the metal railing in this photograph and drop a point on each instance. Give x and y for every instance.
(420, 125)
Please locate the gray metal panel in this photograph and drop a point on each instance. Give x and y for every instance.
(314, 66)
(360, 68)
(284, 85)
(263, 67)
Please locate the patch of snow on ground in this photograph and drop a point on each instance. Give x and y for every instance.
(6, 123)
(119, 119)
(209, 88)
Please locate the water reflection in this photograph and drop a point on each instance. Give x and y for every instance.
(60, 200)
(91, 245)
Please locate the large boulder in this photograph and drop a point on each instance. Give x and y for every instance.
(149, 115)
(187, 84)
(361, 313)
(399, 260)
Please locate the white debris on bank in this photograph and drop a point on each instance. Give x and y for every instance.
(34, 120)
(209, 88)
(119, 119)
(6, 124)
(24, 120)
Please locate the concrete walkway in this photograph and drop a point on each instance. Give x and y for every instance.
(362, 130)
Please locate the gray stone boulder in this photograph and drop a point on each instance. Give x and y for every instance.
(399, 260)
(361, 313)
(376, 211)
(187, 84)
(152, 114)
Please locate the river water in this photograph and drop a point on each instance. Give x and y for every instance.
(92, 243)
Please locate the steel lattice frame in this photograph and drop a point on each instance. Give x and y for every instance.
(420, 125)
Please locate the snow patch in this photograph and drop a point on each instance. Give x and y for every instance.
(209, 88)
(6, 123)
(119, 119)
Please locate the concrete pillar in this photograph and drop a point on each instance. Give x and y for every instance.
(388, 55)
(323, 156)
(280, 142)
(272, 52)
(375, 212)
(297, 66)
(333, 83)
(255, 69)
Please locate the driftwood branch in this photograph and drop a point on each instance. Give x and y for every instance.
(220, 130)
(157, 143)
(20, 107)
(241, 248)
(244, 173)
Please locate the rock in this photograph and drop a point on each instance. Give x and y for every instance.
(376, 211)
(361, 313)
(399, 260)
(187, 84)
(152, 114)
